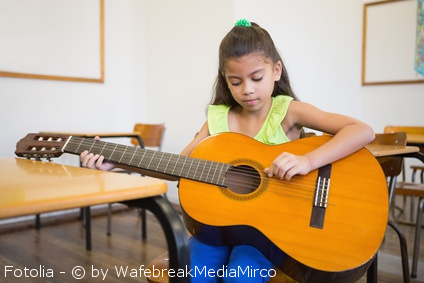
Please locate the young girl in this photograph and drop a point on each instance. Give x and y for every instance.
(253, 96)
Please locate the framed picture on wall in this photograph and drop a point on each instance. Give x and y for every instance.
(52, 39)
(389, 43)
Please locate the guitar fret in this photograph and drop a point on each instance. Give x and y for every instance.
(132, 156)
(123, 154)
(108, 151)
(160, 160)
(191, 164)
(101, 151)
(142, 157)
(214, 171)
(176, 163)
(113, 151)
(151, 159)
(182, 165)
(91, 147)
(76, 151)
(195, 171)
(224, 168)
(207, 175)
(166, 167)
(201, 174)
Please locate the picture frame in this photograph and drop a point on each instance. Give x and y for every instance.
(388, 44)
(52, 40)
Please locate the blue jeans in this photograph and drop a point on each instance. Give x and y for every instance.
(228, 263)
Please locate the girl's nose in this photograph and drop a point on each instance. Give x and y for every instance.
(247, 89)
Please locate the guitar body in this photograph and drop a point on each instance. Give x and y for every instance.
(275, 216)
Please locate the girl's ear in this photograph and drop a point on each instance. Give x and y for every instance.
(277, 71)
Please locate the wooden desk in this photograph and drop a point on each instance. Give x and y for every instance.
(396, 151)
(379, 150)
(31, 187)
(415, 138)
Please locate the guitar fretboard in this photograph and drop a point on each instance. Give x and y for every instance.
(171, 164)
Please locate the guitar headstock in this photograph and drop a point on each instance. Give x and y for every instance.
(41, 145)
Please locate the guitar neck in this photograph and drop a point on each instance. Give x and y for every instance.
(156, 161)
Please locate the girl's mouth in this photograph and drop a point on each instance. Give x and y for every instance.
(251, 101)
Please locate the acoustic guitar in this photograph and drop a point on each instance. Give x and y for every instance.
(327, 225)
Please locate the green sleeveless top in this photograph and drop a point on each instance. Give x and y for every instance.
(271, 131)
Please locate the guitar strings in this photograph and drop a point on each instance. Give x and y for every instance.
(307, 185)
(242, 171)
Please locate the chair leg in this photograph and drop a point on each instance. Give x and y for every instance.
(372, 270)
(403, 251)
(417, 238)
(143, 224)
(412, 209)
(37, 222)
(109, 220)
(87, 218)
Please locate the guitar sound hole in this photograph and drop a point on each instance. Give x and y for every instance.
(242, 179)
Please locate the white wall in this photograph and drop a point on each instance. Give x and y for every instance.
(28, 105)
(161, 60)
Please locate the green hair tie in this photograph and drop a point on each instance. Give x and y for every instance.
(243, 23)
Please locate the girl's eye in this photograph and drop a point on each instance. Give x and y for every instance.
(235, 83)
(257, 79)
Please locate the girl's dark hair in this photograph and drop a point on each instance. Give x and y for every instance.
(241, 41)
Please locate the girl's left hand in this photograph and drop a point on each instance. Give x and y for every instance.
(286, 165)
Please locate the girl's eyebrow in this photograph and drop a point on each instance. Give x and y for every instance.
(251, 74)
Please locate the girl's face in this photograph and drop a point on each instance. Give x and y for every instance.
(251, 80)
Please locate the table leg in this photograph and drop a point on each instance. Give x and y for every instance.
(37, 222)
(87, 218)
(372, 270)
(179, 256)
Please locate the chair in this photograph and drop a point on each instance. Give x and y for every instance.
(392, 167)
(152, 136)
(414, 136)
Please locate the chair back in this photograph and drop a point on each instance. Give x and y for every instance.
(152, 134)
(392, 166)
(412, 133)
(413, 130)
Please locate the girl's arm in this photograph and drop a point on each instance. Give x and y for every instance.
(202, 134)
(350, 135)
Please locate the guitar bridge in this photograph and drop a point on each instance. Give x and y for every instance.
(321, 197)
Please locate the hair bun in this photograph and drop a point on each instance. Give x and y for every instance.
(243, 23)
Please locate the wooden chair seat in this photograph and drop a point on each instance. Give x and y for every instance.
(415, 169)
(162, 262)
(409, 189)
